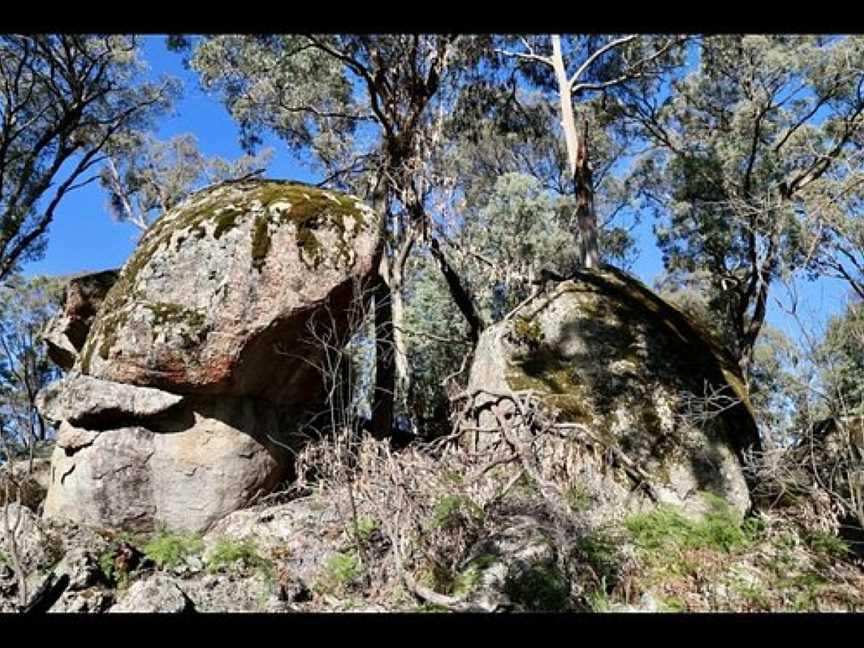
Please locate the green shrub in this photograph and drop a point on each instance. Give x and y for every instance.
(672, 604)
(228, 551)
(453, 511)
(539, 587)
(469, 578)
(827, 544)
(168, 549)
(578, 499)
(599, 549)
(340, 570)
(106, 564)
(366, 526)
(752, 593)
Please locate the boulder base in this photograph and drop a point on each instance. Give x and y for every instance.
(216, 459)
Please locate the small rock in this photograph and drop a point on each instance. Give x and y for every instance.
(81, 567)
(155, 594)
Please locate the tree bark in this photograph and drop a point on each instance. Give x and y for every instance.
(577, 158)
(385, 375)
(459, 293)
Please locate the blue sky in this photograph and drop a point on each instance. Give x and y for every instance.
(84, 237)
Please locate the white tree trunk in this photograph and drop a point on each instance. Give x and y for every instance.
(577, 159)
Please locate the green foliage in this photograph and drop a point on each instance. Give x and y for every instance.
(340, 570)
(467, 580)
(577, 497)
(68, 99)
(666, 528)
(734, 190)
(26, 306)
(229, 551)
(827, 544)
(169, 549)
(539, 587)
(365, 528)
(599, 549)
(672, 604)
(842, 361)
(453, 511)
(106, 564)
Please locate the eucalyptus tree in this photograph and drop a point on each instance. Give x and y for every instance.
(367, 112)
(745, 145)
(145, 177)
(503, 215)
(26, 305)
(63, 100)
(572, 70)
(842, 361)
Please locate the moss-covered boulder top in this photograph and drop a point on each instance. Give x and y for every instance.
(222, 279)
(603, 351)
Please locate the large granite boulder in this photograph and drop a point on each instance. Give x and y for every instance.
(184, 471)
(195, 370)
(66, 333)
(220, 279)
(605, 354)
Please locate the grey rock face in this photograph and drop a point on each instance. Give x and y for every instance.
(29, 537)
(67, 332)
(101, 404)
(604, 352)
(294, 529)
(222, 278)
(191, 365)
(157, 594)
(217, 460)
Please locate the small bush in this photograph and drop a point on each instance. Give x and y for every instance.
(340, 570)
(168, 549)
(578, 499)
(453, 511)
(599, 549)
(753, 594)
(228, 551)
(467, 581)
(366, 526)
(106, 564)
(672, 604)
(540, 587)
(827, 544)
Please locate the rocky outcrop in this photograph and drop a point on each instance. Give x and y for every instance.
(66, 333)
(194, 373)
(217, 459)
(85, 401)
(157, 594)
(218, 281)
(629, 373)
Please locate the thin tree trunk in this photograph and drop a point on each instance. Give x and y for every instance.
(577, 159)
(385, 376)
(459, 293)
(586, 217)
